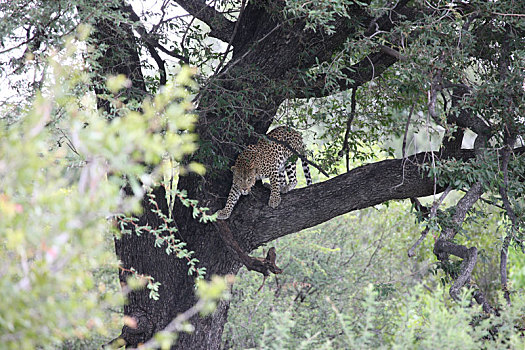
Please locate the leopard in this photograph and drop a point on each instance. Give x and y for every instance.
(267, 159)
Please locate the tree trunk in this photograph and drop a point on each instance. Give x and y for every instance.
(139, 252)
(177, 288)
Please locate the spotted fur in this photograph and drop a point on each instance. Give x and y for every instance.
(267, 159)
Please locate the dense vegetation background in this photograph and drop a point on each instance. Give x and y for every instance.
(119, 121)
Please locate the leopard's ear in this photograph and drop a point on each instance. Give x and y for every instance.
(233, 167)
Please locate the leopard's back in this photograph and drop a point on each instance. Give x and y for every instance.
(273, 152)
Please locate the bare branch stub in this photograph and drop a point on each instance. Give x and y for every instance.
(262, 265)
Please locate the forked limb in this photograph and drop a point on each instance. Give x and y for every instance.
(443, 247)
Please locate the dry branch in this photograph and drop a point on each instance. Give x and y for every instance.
(262, 265)
(444, 247)
(432, 214)
(221, 27)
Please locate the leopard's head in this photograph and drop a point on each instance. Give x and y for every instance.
(244, 177)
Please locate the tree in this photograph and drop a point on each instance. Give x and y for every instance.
(402, 66)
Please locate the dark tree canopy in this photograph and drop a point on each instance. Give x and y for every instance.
(357, 78)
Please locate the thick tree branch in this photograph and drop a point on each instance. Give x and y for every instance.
(221, 27)
(255, 223)
(470, 257)
(394, 53)
(372, 65)
(464, 118)
(120, 57)
(264, 32)
(462, 208)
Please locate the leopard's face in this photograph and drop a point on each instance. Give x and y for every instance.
(244, 178)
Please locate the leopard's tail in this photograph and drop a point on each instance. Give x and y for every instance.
(306, 170)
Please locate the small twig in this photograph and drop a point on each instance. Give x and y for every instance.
(510, 213)
(509, 14)
(262, 284)
(403, 148)
(221, 63)
(151, 43)
(69, 142)
(345, 148)
(183, 40)
(161, 21)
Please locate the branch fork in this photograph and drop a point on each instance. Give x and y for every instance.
(444, 247)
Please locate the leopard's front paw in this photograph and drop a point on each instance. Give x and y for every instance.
(274, 201)
(223, 214)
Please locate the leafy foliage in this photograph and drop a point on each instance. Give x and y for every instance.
(346, 285)
(167, 233)
(58, 191)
